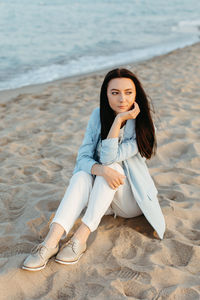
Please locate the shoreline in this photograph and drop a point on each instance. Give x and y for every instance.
(37, 88)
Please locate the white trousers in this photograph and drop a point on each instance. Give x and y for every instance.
(84, 190)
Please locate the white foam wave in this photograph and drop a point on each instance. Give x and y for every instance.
(187, 26)
(87, 64)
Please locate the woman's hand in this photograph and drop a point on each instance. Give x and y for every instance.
(113, 177)
(130, 114)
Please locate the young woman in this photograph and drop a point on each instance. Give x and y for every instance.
(110, 175)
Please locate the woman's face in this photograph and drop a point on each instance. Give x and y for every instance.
(121, 93)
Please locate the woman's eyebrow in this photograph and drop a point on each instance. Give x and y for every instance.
(118, 90)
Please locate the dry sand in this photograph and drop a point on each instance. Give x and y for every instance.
(41, 129)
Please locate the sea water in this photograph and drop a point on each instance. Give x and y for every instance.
(41, 41)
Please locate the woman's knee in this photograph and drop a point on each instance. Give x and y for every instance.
(82, 177)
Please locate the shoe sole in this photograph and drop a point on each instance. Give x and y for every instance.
(68, 262)
(34, 269)
(37, 269)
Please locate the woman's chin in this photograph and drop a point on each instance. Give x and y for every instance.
(120, 110)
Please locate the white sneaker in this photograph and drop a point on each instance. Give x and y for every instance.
(71, 252)
(39, 257)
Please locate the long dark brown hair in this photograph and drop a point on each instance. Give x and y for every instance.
(145, 132)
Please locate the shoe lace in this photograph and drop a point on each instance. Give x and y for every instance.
(38, 249)
(71, 244)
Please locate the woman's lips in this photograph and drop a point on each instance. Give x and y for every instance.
(122, 106)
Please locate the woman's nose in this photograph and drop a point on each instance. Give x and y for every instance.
(122, 97)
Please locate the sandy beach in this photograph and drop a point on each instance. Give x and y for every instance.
(41, 129)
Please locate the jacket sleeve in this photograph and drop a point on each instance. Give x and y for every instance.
(85, 154)
(112, 151)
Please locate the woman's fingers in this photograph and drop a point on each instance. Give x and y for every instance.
(117, 182)
(114, 178)
(135, 111)
(132, 114)
(114, 185)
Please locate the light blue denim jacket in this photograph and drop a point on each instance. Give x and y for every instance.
(135, 168)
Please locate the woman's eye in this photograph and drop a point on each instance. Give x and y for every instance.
(127, 93)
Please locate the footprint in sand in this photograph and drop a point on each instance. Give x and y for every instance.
(173, 151)
(126, 251)
(3, 262)
(196, 225)
(11, 206)
(67, 292)
(30, 170)
(13, 250)
(43, 139)
(184, 294)
(94, 289)
(125, 274)
(169, 234)
(51, 165)
(43, 107)
(174, 253)
(5, 140)
(172, 293)
(135, 290)
(48, 205)
(176, 196)
(191, 234)
(38, 227)
(43, 176)
(195, 123)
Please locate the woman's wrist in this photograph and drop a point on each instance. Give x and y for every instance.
(118, 119)
(115, 128)
(103, 170)
(98, 169)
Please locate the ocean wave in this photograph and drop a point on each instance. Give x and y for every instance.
(89, 63)
(186, 26)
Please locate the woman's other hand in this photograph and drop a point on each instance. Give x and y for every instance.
(113, 177)
(130, 114)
